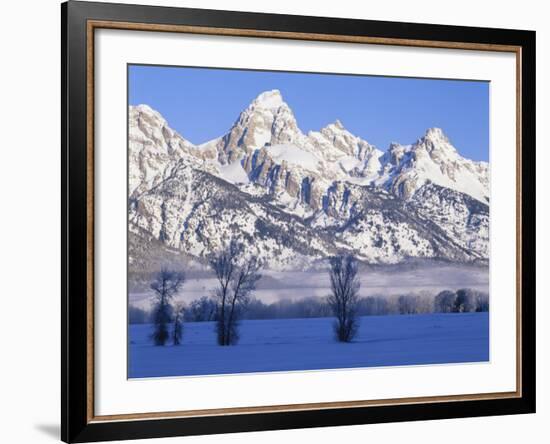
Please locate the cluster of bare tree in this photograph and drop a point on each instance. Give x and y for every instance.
(236, 278)
(205, 308)
(308, 307)
(316, 307)
(464, 300)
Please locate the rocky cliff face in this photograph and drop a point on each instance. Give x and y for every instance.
(295, 198)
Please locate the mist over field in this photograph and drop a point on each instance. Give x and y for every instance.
(381, 280)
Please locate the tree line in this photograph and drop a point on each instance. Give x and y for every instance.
(203, 309)
(233, 301)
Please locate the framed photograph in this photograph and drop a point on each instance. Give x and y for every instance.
(276, 221)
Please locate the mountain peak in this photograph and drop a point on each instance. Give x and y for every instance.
(142, 107)
(436, 135)
(336, 126)
(269, 99)
(146, 109)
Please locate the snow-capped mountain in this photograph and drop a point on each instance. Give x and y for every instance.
(154, 149)
(433, 159)
(295, 198)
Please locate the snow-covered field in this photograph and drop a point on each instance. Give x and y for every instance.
(308, 344)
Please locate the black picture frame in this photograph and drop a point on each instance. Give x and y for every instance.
(76, 423)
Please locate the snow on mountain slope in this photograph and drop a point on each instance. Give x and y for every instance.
(337, 144)
(463, 218)
(153, 149)
(292, 154)
(294, 198)
(234, 173)
(196, 212)
(432, 158)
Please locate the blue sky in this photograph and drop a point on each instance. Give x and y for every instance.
(202, 103)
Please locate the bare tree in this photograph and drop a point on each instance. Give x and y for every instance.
(177, 332)
(224, 267)
(465, 300)
(344, 299)
(235, 284)
(444, 302)
(165, 285)
(243, 285)
(482, 302)
(201, 310)
(407, 304)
